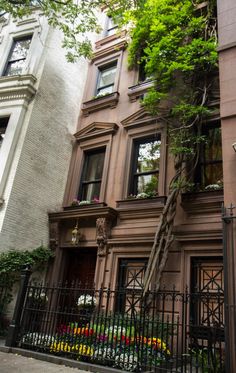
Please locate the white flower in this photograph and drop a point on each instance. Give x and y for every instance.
(126, 361)
(104, 352)
(86, 300)
(37, 339)
(38, 296)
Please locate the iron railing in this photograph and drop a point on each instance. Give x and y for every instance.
(5, 298)
(123, 330)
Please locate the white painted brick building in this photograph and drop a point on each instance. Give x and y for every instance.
(40, 98)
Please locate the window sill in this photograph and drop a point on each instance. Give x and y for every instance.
(17, 87)
(199, 202)
(108, 101)
(137, 91)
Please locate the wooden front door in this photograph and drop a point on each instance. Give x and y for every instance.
(80, 268)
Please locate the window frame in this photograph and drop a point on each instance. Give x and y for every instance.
(134, 175)
(3, 127)
(202, 163)
(104, 67)
(108, 29)
(84, 183)
(8, 62)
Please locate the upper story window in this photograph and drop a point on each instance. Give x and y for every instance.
(17, 57)
(111, 27)
(146, 165)
(106, 79)
(92, 175)
(209, 170)
(3, 126)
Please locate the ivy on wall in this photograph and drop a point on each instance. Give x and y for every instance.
(11, 263)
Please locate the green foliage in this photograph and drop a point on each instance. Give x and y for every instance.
(11, 263)
(74, 18)
(176, 43)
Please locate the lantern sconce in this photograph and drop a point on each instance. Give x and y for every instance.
(234, 146)
(75, 234)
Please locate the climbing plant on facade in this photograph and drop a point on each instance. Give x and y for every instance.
(176, 43)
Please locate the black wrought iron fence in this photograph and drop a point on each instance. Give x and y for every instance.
(158, 333)
(5, 297)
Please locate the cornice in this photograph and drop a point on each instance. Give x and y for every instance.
(140, 117)
(109, 50)
(90, 212)
(17, 87)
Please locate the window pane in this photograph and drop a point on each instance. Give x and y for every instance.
(107, 76)
(148, 156)
(3, 127)
(92, 175)
(212, 174)
(147, 183)
(213, 149)
(15, 68)
(91, 191)
(111, 27)
(105, 90)
(94, 166)
(20, 49)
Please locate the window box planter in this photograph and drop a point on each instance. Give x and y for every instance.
(99, 103)
(141, 203)
(87, 206)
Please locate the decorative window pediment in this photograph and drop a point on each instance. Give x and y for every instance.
(140, 117)
(96, 129)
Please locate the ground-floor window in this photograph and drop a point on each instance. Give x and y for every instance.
(130, 280)
(207, 289)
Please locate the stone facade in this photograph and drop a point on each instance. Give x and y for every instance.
(114, 124)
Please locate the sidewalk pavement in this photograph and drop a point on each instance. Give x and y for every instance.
(14, 363)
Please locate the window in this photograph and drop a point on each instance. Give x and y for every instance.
(17, 56)
(3, 127)
(92, 175)
(146, 162)
(111, 27)
(209, 170)
(106, 79)
(207, 283)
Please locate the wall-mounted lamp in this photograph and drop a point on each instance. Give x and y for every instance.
(234, 146)
(75, 234)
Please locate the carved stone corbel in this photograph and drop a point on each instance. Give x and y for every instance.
(102, 234)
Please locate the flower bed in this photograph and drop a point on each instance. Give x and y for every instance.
(114, 346)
